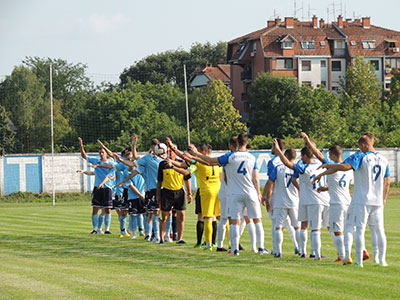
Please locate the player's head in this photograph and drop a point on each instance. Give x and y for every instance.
(233, 144)
(209, 149)
(153, 143)
(281, 143)
(306, 155)
(202, 148)
(103, 154)
(127, 153)
(243, 139)
(370, 135)
(290, 154)
(335, 153)
(364, 143)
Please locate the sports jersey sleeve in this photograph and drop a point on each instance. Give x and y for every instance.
(273, 174)
(92, 160)
(270, 167)
(328, 161)
(187, 177)
(192, 169)
(142, 161)
(387, 172)
(296, 175)
(224, 159)
(119, 166)
(299, 168)
(355, 160)
(255, 165)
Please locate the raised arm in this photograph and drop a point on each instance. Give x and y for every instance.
(109, 153)
(209, 159)
(179, 164)
(285, 161)
(331, 169)
(125, 161)
(314, 149)
(134, 151)
(174, 148)
(83, 152)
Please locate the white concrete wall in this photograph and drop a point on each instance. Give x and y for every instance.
(317, 73)
(336, 74)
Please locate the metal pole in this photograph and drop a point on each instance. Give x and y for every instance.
(187, 105)
(52, 135)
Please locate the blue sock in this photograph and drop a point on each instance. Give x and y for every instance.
(146, 226)
(156, 226)
(135, 224)
(169, 225)
(123, 230)
(130, 227)
(149, 229)
(140, 223)
(95, 220)
(107, 221)
(121, 225)
(100, 223)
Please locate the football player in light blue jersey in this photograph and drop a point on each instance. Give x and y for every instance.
(371, 187)
(102, 192)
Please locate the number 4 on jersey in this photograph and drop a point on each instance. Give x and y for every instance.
(242, 170)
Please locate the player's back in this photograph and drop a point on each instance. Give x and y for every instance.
(285, 193)
(209, 176)
(148, 167)
(339, 186)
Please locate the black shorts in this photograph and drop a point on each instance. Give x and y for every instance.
(121, 201)
(172, 199)
(102, 198)
(136, 207)
(197, 199)
(151, 202)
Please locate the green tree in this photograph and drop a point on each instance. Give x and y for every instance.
(7, 136)
(215, 119)
(167, 67)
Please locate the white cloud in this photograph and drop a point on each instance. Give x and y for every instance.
(101, 23)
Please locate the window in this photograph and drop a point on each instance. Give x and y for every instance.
(339, 44)
(335, 88)
(323, 83)
(375, 63)
(307, 83)
(306, 65)
(287, 45)
(337, 66)
(307, 44)
(392, 44)
(368, 44)
(323, 63)
(393, 63)
(284, 64)
(353, 43)
(322, 43)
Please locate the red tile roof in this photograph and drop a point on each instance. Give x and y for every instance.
(220, 72)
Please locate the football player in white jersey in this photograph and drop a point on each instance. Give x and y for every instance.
(371, 187)
(311, 204)
(244, 190)
(338, 186)
(286, 199)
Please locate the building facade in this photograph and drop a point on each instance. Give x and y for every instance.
(313, 52)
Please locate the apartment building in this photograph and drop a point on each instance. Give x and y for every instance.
(313, 52)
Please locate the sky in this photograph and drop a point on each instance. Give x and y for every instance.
(109, 36)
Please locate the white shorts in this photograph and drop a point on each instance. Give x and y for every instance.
(325, 216)
(313, 213)
(337, 216)
(284, 214)
(271, 214)
(368, 214)
(350, 217)
(239, 203)
(223, 204)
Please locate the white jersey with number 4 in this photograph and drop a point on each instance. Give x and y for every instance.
(239, 168)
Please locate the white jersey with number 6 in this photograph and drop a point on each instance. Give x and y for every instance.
(239, 168)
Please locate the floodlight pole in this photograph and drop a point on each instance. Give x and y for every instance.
(52, 134)
(187, 105)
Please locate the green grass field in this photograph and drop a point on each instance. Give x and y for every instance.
(47, 252)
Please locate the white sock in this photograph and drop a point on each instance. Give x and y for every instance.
(348, 241)
(260, 235)
(234, 234)
(279, 240)
(297, 238)
(333, 237)
(312, 244)
(381, 237)
(251, 228)
(242, 226)
(303, 241)
(374, 242)
(221, 230)
(292, 234)
(339, 241)
(360, 244)
(274, 248)
(316, 240)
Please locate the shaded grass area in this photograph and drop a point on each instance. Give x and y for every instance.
(47, 252)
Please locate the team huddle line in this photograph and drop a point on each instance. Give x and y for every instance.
(310, 193)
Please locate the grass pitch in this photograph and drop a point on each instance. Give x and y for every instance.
(47, 253)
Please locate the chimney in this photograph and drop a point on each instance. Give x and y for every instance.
(289, 22)
(321, 23)
(271, 23)
(315, 22)
(278, 21)
(340, 21)
(366, 22)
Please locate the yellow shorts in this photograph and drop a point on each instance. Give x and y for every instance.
(210, 205)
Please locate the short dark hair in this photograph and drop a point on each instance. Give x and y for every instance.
(154, 142)
(369, 134)
(365, 140)
(336, 150)
(203, 147)
(281, 143)
(290, 154)
(307, 152)
(243, 139)
(233, 141)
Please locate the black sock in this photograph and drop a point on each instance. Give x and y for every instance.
(214, 235)
(199, 231)
(174, 225)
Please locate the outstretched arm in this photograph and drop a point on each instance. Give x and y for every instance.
(314, 149)
(83, 152)
(106, 166)
(332, 168)
(85, 172)
(134, 151)
(285, 161)
(125, 161)
(174, 148)
(209, 159)
(109, 153)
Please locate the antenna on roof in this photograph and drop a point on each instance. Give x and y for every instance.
(298, 9)
(309, 11)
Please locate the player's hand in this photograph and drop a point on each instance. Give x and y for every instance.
(263, 200)
(276, 145)
(80, 140)
(134, 140)
(79, 171)
(169, 162)
(316, 179)
(120, 184)
(190, 198)
(192, 149)
(100, 143)
(269, 208)
(92, 166)
(141, 197)
(304, 136)
(322, 189)
(116, 155)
